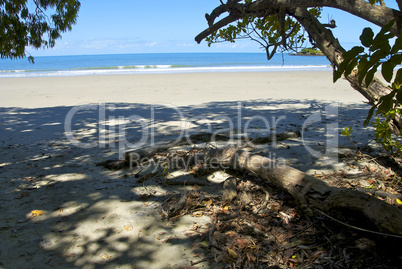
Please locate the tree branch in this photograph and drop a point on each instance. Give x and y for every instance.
(215, 27)
(379, 15)
(220, 10)
(399, 4)
(281, 19)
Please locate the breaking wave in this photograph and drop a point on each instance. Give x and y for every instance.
(158, 69)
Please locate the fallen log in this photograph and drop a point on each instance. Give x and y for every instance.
(310, 191)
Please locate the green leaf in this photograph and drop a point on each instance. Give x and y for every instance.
(31, 59)
(386, 102)
(352, 53)
(370, 75)
(366, 37)
(382, 44)
(347, 131)
(381, 40)
(398, 77)
(388, 26)
(397, 46)
(387, 70)
(337, 75)
(350, 66)
(376, 57)
(363, 67)
(369, 116)
(399, 97)
(396, 59)
(349, 62)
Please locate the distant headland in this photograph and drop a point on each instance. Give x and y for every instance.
(309, 52)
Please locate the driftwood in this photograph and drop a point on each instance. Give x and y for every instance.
(310, 192)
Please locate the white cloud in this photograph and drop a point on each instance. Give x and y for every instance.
(151, 44)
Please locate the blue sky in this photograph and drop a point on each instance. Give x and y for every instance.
(158, 26)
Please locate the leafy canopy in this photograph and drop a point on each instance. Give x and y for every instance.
(275, 33)
(34, 23)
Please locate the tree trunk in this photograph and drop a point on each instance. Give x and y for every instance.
(309, 191)
(331, 48)
(323, 37)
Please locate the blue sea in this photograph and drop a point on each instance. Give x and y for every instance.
(151, 63)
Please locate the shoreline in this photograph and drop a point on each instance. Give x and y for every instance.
(160, 69)
(77, 65)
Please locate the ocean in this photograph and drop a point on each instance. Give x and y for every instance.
(152, 63)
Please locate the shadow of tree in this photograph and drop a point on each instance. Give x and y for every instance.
(98, 218)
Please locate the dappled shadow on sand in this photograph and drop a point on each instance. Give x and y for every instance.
(91, 217)
(122, 126)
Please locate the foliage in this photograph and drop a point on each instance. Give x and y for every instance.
(310, 51)
(347, 131)
(374, 1)
(384, 136)
(274, 33)
(378, 51)
(36, 23)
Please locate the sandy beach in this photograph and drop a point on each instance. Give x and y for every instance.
(60, 210)
(174, 89)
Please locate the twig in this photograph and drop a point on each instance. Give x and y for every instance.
(300, 232)
(211, 232)
(200, 261)
(264, 205)
(346, 257)
(357, 228)
(255, 230)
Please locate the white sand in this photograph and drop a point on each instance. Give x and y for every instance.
(175, 89)
(94, 217)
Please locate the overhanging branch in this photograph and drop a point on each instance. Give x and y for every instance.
(215, 27)
(379, 15)
(219, 11)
